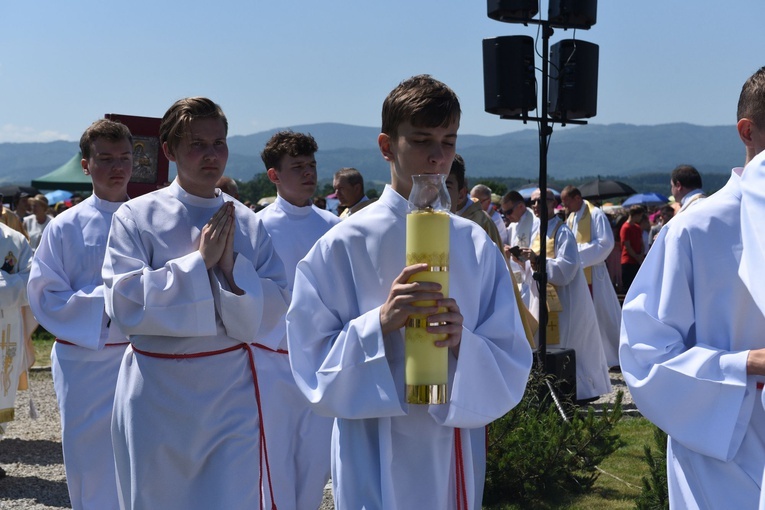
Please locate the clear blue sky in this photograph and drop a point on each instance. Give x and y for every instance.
(275, 63)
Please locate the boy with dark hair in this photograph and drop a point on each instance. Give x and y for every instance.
(345, 330)
(299, 447)
(692, 351)
(66, 294)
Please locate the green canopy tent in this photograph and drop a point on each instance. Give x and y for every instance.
(68, 176)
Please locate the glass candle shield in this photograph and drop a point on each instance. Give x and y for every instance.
(427, 241)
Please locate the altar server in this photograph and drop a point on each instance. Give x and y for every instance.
(345, 330)
(192, 278)
(299, 450)
(692, 350)
(66, 294)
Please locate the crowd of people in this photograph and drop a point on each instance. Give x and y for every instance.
(209, 356)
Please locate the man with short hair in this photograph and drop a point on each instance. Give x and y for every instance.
(482, 194)
(577, 326)
(228, 186)
(66, 294)
(349, 190)
(685, 186)
(595, 241)
(456, 184)
(299, 439)
(692, 348)
(521, 221)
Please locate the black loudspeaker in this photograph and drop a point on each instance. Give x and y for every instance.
(573, 80)
(509, 81)
(572, 13)
(561, 363)
(512, 11)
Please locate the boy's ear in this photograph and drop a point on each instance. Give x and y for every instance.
(744, 127)
(384, 141)
(273, 175)
(168, 154)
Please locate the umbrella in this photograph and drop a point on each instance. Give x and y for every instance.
(645, 199)
(57, 196)
(526, 192)
(602, 189)
(9, 190)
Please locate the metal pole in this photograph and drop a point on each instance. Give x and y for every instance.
(545, 130)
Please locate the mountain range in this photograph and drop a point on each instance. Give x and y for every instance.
(615, 150)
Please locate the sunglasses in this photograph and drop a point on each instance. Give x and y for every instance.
(508, 212)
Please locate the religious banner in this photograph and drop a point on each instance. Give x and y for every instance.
(11, 358)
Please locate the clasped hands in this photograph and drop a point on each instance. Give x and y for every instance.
(216, 244)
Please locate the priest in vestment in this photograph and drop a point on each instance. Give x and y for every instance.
(14, 272)
(595, 241)
(577, 324)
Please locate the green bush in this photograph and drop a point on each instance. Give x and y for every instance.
(536, 457)
(654, 495)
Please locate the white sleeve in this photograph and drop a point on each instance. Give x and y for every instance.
(597, 250)
(696, 393)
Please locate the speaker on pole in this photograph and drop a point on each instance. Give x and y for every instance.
(572, 13)
(509, 75)
(513, 11)
(573, 80)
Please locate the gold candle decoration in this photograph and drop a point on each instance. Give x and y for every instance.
(427, 241)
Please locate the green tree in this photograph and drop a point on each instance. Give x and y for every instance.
(260, 186)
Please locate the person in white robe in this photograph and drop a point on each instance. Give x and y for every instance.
(66, 295)
(595, 241)
(521, 224)
(36, 222)
(14, 273)
(346, 338)
(299, 451)
(193, 280)
(690, 339)
(577, 323)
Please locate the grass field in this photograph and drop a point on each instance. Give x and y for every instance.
(43, 342)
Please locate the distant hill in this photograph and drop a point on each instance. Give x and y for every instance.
(574, 152)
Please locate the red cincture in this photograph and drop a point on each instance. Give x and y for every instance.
(263, 449)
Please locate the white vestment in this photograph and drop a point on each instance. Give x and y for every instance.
(519, 234)
(386, 453)
(594, 255)
(577, 323)
(299, 451)
(186, 430)
(35, 229)
(16, 256)
(66, 294)
(500, 223)
(753, 240)
(688, 322)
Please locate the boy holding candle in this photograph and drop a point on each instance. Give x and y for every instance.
(345, 330)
